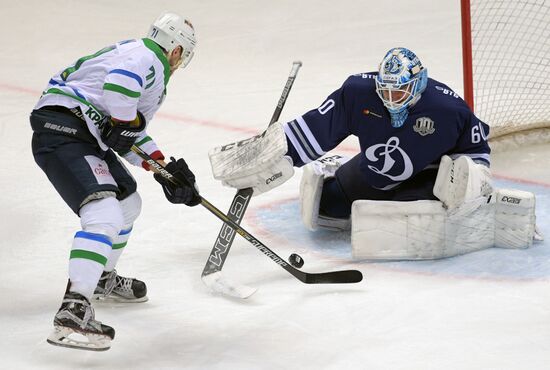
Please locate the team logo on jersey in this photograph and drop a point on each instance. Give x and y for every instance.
(392, 154)
(424, 126)
(367, 112)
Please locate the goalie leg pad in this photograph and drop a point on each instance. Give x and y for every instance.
(383, 230)
(386, 230)
(418, 230)
(514, 218)
(311, 189)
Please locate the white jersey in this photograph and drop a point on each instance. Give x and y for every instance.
(118, 80)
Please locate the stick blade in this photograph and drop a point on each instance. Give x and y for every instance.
(217, 283)
(334, 277)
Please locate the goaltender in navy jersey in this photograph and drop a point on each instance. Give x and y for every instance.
(439, 123)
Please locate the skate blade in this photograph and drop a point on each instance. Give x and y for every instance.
(71, 338)
(118, 299)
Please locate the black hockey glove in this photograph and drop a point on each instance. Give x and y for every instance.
(120, 136)
(185, 191)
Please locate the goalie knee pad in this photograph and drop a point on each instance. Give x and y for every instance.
(424, 229)
(311, 189)
(461, 180)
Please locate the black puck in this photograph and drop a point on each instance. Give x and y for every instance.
(295, 260)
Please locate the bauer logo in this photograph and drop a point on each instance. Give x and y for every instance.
(59, 128)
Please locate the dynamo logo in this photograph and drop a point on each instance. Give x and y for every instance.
(393, 66)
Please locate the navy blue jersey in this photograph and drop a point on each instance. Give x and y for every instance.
(439, 123)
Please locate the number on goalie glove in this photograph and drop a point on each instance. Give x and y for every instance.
(258, 162)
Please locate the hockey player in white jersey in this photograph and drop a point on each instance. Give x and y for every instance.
(90, 113)
(420, 187)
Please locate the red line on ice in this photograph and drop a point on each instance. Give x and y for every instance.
(246, 130)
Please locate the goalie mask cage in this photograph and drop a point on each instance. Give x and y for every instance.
(506, 63)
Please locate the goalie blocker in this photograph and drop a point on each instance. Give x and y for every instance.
(470, 216)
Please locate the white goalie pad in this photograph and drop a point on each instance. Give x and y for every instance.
(460, 181)
(424, 229)
(258, 162)
(311, 188)
(515, 220)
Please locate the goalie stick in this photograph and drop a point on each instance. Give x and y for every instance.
(211, 275)
(333, 277)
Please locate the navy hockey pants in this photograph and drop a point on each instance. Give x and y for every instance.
(73, 161)
(348, 185)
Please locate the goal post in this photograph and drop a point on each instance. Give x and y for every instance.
(506, 68)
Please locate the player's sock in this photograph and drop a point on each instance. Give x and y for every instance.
(89, 254)
(119, 243)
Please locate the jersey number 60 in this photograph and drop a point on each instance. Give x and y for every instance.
(478, 133)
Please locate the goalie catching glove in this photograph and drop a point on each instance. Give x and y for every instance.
(258, 162)
(185, 191)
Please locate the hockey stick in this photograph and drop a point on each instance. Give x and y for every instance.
(333, 277)
(211, 275)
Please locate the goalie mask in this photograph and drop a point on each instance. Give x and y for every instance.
(169, 31)
(400, 82)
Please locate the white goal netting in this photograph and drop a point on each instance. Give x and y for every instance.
(511, 68)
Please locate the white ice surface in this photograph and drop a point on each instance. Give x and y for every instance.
(487, 310)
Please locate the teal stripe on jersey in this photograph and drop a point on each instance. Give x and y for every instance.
(87, 255)
(121, 90)
(151, 45)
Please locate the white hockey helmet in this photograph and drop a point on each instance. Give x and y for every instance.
(171, 30)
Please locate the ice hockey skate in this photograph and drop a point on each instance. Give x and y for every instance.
(114, 287)
(75, 326)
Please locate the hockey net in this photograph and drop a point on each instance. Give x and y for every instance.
(506, 57)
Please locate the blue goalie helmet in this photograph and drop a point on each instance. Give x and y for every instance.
(400, 82)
